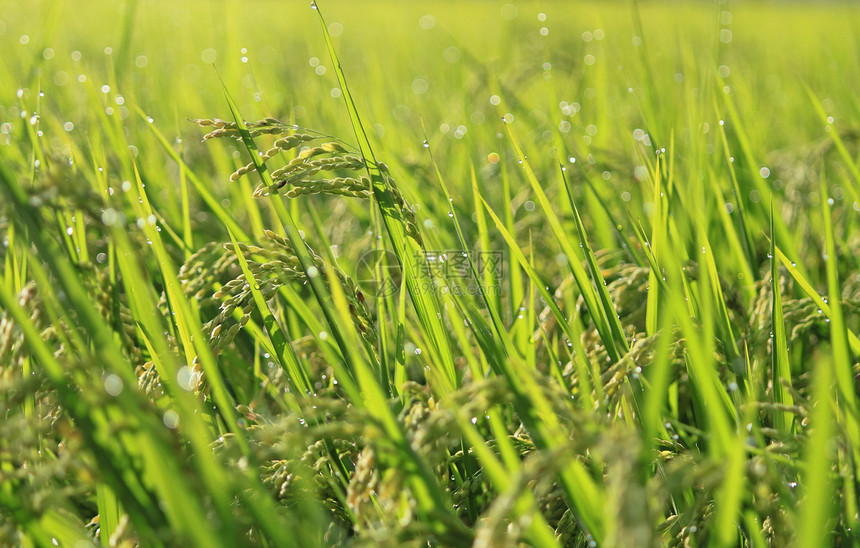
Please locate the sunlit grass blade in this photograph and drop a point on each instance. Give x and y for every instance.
(780, 366)
(292, 233)
(583, 492)
(618, 337)
(808, 290)
(817, 507)
(599, 314)
(538, 529)
(489, 277)
(283, 350)
(431, 500)
(199, 186)
(842, 363)
(187, 323)
(739, 249)
(409, 251)
(110, 512)
(659, 235)
(848, 161)
(740, 203)
(477, 276)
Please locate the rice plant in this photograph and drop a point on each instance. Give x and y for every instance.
(350, 276)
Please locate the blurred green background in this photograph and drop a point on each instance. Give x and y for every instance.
(587, 73)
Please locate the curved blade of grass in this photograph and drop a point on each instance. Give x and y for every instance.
(572, 335)
(843, 370)
(659, 235)
(744, 225)
(494, 300)
(515, 274)
(737, 244)
(816, 510)
(539, 531)
(431, 499)
(202, 189)
(110, 512)
(730, 494)
(498, 325)
(187, 323)
(518, 254)
(618, 338)
(407, 250)
(284, 351)
(726, 330)
(635, 254)
(809, 291)
(292, 233)
(848, 161)
(582, 492)
(738, 126)
(780, 365)
(598, 314)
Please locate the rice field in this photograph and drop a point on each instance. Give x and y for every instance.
(429, 274)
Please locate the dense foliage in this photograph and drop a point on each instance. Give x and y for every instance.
(376, 283)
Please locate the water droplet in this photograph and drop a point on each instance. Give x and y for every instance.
(113, 384)
(426, 143)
